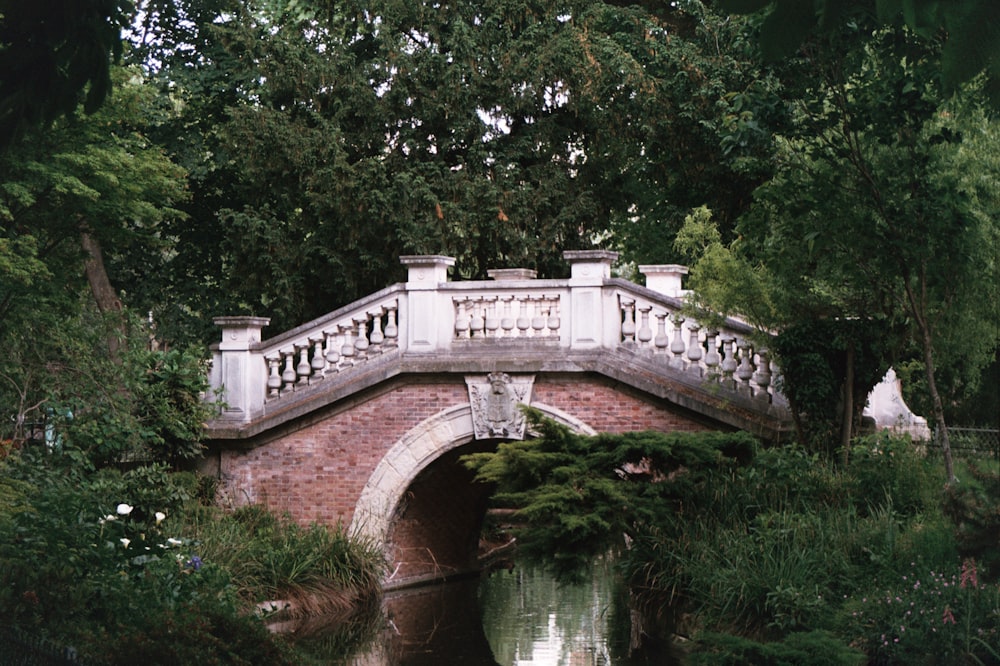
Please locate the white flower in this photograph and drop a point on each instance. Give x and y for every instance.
(124, 509)
(108, 517)
(125, 542)
(174, 542)
(159, 517)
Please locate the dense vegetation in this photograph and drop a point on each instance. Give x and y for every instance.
(829, 169)
(142, 567)
(767, 556)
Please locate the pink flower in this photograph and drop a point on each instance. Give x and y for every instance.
(969, 575)
(947, 617)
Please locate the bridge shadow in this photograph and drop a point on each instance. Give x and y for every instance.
(435, 530)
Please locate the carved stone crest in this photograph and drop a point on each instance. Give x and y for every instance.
(494, 400)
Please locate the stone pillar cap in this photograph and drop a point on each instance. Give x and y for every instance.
(664, 278)
(426, 271)
(506, 274)
(590, 264)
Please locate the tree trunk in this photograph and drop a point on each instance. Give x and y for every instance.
(937, 406)
(104, 293)
(919, 311)
(847, 424)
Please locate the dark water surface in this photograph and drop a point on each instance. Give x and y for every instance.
(520, 617)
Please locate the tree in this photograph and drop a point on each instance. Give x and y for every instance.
(324, 143)
(883, 207)
(81, 187)
(85, 190)
(55, 55)
(971, 30)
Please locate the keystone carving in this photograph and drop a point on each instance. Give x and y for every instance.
(494, 401)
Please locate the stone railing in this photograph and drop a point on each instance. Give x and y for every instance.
(511, 314)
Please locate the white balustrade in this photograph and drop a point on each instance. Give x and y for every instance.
(429, 315)
(694, 349)
(306, 357)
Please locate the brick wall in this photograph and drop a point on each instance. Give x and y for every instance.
(316, 472)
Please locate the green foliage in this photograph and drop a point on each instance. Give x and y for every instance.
(886, 466)
(580, 496)
(975, 510)
(127, 569)
(87, 551)
(53, 57)
(147, 405)
(814, 356)
(971, 47)
(273, 558)
(796, 649)
(767, 545)
(926, 616)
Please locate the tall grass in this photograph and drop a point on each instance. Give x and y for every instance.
(788, 540)
(318, 569)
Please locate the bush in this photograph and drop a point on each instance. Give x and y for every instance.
(814, 648)
(274, 558)
(109, 562)
(883, 465)
(926, 616)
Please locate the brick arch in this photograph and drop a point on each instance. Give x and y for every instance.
(416, 451)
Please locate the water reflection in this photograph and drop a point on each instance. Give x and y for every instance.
(509, 618)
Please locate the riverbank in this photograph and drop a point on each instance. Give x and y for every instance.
(141, 567)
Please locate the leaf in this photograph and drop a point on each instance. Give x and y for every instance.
(783, 29)
(744, 6)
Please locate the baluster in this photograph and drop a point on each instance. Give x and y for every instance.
(318, 361)
(523, 321)
(273, 378)
(391, 329)
(763, 375)
(491, 321)
(507, 321)
(347, 350)
(712, 350)
(745, 370)
(628, 324)
(461, 320)
(288, 376)
(728, 361)
(677, 346)
(361, 342)
(377, 337)
(662, 340)
(538, 320)
(303, 369)
(553, 322)
(645, 333)
(478, 322)
(694, 351)
(332, 351)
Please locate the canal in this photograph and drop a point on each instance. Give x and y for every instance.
(511, 617)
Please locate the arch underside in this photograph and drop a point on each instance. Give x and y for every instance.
(422, 506)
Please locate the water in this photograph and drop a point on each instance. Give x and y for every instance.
(520, 617)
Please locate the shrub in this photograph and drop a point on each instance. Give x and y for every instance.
(107, 562)
(926, 617)
(815, 648)
(272, 558)
(884, 465)
(975, 511)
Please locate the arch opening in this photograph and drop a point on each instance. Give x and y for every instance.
(423, 506)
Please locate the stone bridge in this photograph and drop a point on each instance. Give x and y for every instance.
(361, 416)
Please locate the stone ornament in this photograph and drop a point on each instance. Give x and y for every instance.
(494, 401)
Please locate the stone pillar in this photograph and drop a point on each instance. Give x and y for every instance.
(430, 321)
(664, 278)
(594, 317)
(239, 368)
